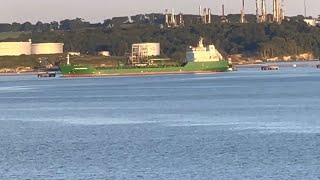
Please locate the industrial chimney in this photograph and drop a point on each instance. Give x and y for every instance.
(242, 18)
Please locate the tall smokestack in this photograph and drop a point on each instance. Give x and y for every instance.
(205, 16)
(257, 11)
(276, 11)
(305, 9)
(263, 11)
(242, 13)
(279, 11)
(223, 10)
(167, 17)
(181, 21)
(209, 16)
(282, 11)
(173, 19)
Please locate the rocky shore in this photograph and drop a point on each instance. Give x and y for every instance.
(239, 59)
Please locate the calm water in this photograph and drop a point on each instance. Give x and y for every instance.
(248, 124)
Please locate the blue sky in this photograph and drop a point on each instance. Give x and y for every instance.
(98, 10)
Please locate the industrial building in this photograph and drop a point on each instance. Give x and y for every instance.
(205, 15)
(312, 22)
(202, 53)
(27, 48)
(141, 51)
(278, 11)
(171, 20)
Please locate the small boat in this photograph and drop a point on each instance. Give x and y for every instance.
(270, 67)
(46, 74)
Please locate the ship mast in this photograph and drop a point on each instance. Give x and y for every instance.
(68, 59)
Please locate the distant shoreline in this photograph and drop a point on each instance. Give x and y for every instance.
(286, 64)
(18, 74)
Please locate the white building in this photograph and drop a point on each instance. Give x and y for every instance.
(104, 53)
(141, 51)
(312, 22)
(74, 53)
(146, 49)
(203, 54)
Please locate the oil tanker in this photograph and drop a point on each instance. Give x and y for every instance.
(199, 59)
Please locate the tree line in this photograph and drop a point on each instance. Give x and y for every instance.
(265, 40)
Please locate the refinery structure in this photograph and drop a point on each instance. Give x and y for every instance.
(28, 48)
(205, 16)
(172, 20)
(278, 12)
(264, 11)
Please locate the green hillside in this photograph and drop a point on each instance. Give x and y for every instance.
(11, 35)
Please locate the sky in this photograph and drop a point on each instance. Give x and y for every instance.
(99, 10)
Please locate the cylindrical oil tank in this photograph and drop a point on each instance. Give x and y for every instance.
(47, 48)
(15, 48)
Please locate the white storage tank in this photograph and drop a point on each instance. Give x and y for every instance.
(47, 48)
(15, 48)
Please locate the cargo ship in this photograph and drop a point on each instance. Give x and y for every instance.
(199, 59)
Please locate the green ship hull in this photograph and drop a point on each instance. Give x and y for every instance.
(191, 67)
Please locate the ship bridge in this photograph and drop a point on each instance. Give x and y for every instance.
(202, 53)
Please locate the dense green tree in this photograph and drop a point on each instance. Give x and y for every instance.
(27, 26)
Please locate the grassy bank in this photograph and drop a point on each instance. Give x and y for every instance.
(11, 35)
(44, 61)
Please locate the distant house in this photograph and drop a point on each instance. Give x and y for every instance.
(74, 53)
(312, 22)
(104, 53)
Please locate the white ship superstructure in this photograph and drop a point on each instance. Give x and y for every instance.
(203, 54)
